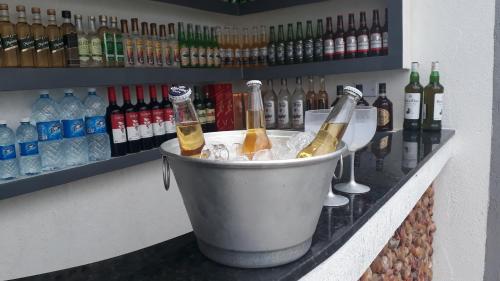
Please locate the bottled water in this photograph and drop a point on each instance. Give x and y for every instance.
(27, 140)
(76, 147)
(95, 124)
(8, 161)
(46, 115)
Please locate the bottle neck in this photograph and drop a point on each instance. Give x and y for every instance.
(92, 25)
(21, 17)
(37, 19)
(255, 103)
(434, 78)
(67, 20)
(140, 94)
(164, 92)
(4, 15)
(126, 95)
(414, 77)
(51, 20)
(311, 85)
(322, 84)
(78, 25)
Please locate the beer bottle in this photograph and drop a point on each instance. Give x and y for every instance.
(298, 105)
(173, 47)
(362, 100)
(339, 39)
(280, 46)
(254, 50)
(245, 51)
(107, 42)
(202, 48)
(199, 105)
(56, 43)
(413, 100)
(210, 113)
(236, 47)
(168, 114)
(331, 132)
(375, 36)
(256, 137)
(216, 46)
(189, 132)
(284, 106)
(385, 35)
(138, 44)
(322, 94)
(318, 41)
(83, 43)
(351, 42)
(311, 99)
(157, 114)
(299, 44)
(384, 110)
(262, 61)
(271, 47)
(230, 48)
(95, 44)
(117, 43)
(145, 119)
(183, 46)
(328, 41)
(25, 39)
(363, 40)
(165, 46)
(289, 56)
(340, 92)
(158, 50)
(70, 40)
(148, 44)
(192, 49)
(222, 46)
(433, 101)
(208, 39)
(115, 119)
(270, 106)
(131, 122)
(309, 43)
(39, 33)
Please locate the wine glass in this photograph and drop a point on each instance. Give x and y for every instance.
(361, 130)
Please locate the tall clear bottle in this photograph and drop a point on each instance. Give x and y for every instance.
(128, 45)
(117, 43)
(25, 39)
(237, 46)
(83, 43)
(254, 49)
(158, 51)
(173, 46)
(140, 60)
(202, 46)
(148, 45)
(270, 106)
(298, 105)
(27, 141)
(107, 42)
(70, 40)
(216, 46)
(433, 101)
(311, 98)
(95, 46)
(221, 39)
(245, 48)
(8, 36)
(284, 106)
(56, 43)
(209, 46)
(165, 48)
(41, 57)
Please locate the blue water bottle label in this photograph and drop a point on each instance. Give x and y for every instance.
(73, 128)
(95, 125)
(48, 131)
(7, 152)
(28, 148)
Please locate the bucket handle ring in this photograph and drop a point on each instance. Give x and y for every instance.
(166, 171)
(341, 168)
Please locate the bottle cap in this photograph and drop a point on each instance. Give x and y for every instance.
(68, 91)
(44, 92)
(340, 89)
(353, 92)
(381, 88)
(179, 93)
(414, 66)
(20, 8)
(435, 66)
(78, 17)
(3, 122)
(91, 90)
(25, 120)
(66, 14)
(35, 10)
(254, 82)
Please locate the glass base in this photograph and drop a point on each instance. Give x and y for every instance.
(335, 200)
(352, 188)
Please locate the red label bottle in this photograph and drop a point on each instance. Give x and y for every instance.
(157, 117)
(117, 129)
(145, 119)
(132, 122)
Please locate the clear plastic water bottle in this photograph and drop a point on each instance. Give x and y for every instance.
(8, 161)
(27, 141)
(95, 124)
(45, 114)
(76, 148)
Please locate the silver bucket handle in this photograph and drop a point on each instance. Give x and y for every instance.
(341, 168)
(166, 170)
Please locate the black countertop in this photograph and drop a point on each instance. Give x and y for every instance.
(385, 165)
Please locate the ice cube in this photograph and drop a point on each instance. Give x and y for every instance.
(235, 152)
(215, 152)
(263, 155)
(282, 152)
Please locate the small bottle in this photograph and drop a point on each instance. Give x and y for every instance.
(245, 50)
(322, 94)
(263, 40)
(309, 43)
(199, 105)
(194, 55)
(9, 168)
(270, 106)
(145, 119)
(216, 46)
(117, 129)
(339, 39)
(328, 41)
(210, 113)
(375, 36)
(351, 42)
(318, 41)
(95, 127)
(158, 116)
(254, 49)
(140, 59)
(70, 39)
(56, 43)
(183, 47)
(131, 122)
(148, 45)
(284, 106)
(75, 144)
(289, 47)
(83, 43)
(165, 48)
(107, 42)
(280, 46)
(236, 39)
(384, 110)
(298, 51)
(340, 92)
(168, 114)
(230, 48)
(271, 47)
(311, 98)
(202, 48)
(173, 46)
(128, 45)
(363, 39)
(27, 141)
(298, 105)
(433, 101)
(221, 38)
(362, 100)
(41, 56)
(209, 46)
(25, 39)
(385, 35)
(95, 48)
(117, 43)
(8, 36)
(158, 51)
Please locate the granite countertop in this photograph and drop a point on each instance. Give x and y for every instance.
(386, 164)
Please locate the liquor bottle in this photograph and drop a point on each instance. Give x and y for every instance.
(284, 106)
(199, 105)
(10, 53)
(381, 148)
(222, 46)
(168, 114)
(194, 60)
(289, 56)
(117, 43)
(210, 113)
(384, 110)
(131, 122)
(157, 117)
(56, 43)
(322, 94)
(189, 132)
(95, 44)
(270, 106)
(39, 33)
(236, 47)
(254, 49)
(70, 40)
(363, 40)
(298, 51)
(173, 46)
(433, 101)
(183, 47)
(351, 42)
(385, 35)
(262, 61)
(362, 100)
(140, 59)
(107, 41)
(83, 43)
(209, 46)
(413, 100)
(328, 41)
(202, 49)
(245, 49)
(115, 118)
(311, 99)
(340, 92)
(158, 50)
(375, 36)
(309, 43)
(25, 39)
(256, 137)
(333, 129)
(318, 41)
(216, 46)
(148, 43)
(145, 119)
(339, 39)
(271, 47)
(128, 45)
(165, 47)
(411, 150)
(280, 46)
(298, 105)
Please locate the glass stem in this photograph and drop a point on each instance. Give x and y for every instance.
(352, 168)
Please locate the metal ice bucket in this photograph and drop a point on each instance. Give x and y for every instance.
(251, 214)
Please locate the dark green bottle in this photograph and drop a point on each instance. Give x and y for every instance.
(280, 46)
(413, 100)
(199, 40)
(290, 43)
(183, 46)
(318, 42)
(309, 43)
(299, 45)
(433, 101)
(271, 47)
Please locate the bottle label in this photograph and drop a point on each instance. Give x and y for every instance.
(438, 107)
(184, 56)
(108, 47)
(129, 51)
(383, 117)
(375, 41)
(139, 49)
(56, 45)
(26, 43)
(168, 114)
(95, 125)
(385, 40)
(7, 152)
(318, 48)
(262, 55)
(169, 59)
(351, 45)
(245, 56)
(339, 46)
(132, 122)
(210, 56)
(309, 50)
(194, 56)
(175, 52)
(412, 106)
(73, 128)
(202, 52)
(70, 40)
(328, 48)
(298, 113)
(210, 115)
(202, 115)
(41, 44)
(83, 49)
(280, 53)
(237, 56)
(410, 154)
(363, 44)
(150, 52)
(283, 114)
(254, 56)
(289, 51)
(271, 55)
(118, 40)
(229, 57)
(158, 53)
(28, 148)
(48, 131)
(217, 58)
(299, 51)
(9, 42)
(145, 124)
(269, 113)
(158, 126)
(96, 49)
(118, 128)
(222, 54)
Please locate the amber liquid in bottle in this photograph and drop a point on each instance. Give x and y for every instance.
(8, 38)
(25, 39)
(191, 138)
(41, 54)
(70, 39)
(56, 43)
(326, 140)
